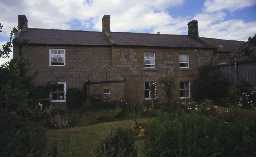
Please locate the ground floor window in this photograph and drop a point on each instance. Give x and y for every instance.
(58, 92)
(107, 93)
(184, 89)
(150, 89)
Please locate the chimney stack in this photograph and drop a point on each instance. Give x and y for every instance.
(22, 22)
(193, 29)
(106, 23)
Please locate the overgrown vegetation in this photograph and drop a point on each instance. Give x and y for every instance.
(74, 98)
(212, 85)
(120, 143)
(169, 86)
(193, 134)
(21, 134)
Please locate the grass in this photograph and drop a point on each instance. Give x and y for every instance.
(81, 141)
(96, 125)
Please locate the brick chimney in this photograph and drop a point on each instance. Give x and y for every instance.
(22, 22)
(193, 29)
(106, 23)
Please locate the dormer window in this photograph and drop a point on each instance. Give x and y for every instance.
(149, 60)
(184, 61)
(57, 57)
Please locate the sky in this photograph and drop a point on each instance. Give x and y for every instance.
(225, 19)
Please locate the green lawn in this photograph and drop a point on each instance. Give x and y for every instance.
(80, 141)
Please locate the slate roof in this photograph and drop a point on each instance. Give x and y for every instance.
(155, 40)
(62, 37)
(91, 38)
(224, 45)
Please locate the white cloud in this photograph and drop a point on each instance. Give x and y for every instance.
(214, 25)
(57, 13)
(132, 15)
(229, 5)
(129, 15)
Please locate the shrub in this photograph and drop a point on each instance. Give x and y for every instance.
(194, 135)
(60, 118)
(211, 84)
(120, 143)
(74, 98)
(169, 86)
(21, 138)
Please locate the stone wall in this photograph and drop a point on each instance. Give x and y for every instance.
(114, 63)
(130, 62)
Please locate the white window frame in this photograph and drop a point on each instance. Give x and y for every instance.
(50, 56)
(189, 90)
(149, 90)
(184, 62)
(107, 94)
(151, 59)
(65, 92)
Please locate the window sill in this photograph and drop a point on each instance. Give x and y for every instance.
(148, 98)
(58, 100)
(150, 69)
(151, 99)
(184, 98)
(187, 68)
(56, 65)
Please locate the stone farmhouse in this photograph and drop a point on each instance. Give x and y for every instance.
(118, 65)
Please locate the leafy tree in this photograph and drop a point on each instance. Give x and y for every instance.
(169, 87)
(1, 27)
(21, 134)
(7, 47)
(249, 48)
(211, 84)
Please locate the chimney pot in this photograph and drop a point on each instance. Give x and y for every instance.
(22, 22)
(193, 29)
(106, 23)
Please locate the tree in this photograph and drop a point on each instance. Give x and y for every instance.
(7, 47)
(247, 51)
(211, 84)
(169, 87)
(1, 27)
(21, 134)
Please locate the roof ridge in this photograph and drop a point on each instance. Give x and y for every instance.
(223, 39)
(69, 30)
(150, 33)
(142, 33)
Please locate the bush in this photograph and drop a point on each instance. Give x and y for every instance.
(120, 143)
(21, 138)
(61, 118)
(211, 84)
(194, 135)
(74, 98)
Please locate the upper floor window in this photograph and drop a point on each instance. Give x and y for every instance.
(58, 92)
(184, 61)
(185, 89)
(149, 59)
(150, 90)
(57, 57)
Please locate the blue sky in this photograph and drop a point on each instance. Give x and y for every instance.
(226, 19)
